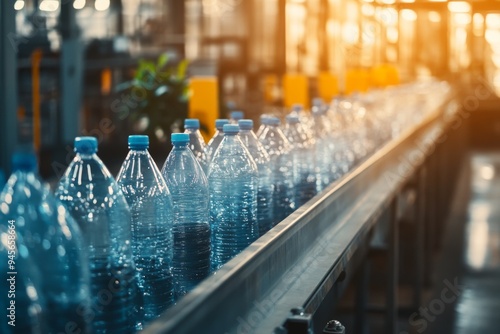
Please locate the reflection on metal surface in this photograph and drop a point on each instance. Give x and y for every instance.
(483, 229)
(478, 236)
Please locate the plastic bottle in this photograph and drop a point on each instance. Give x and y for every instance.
(262, 125)
(150, 204)
(235, 116)
(191, 229)
(303, 160)
(96, 202)
(304, 117)
(54, 242)
(233, 184)
(343, 155)
(278, 147)
(322, 148)
(216, 139)
(266, 188)
(22, 298)
(196, 142)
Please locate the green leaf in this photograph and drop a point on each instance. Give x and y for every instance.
(182, 69)
(145, 66)
(162, 61)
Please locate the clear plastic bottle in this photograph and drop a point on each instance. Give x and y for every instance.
(96, 202)
(22, 298)
(278, 147)
(235, 116)
(216, 139)
(54, 242)
(262, 125)
(191, 229)
(233, 184)
(322, 148)
(338, 111)
(303, 160)
(196, 142)
(150, 206)
(342, 154)
(266, 187)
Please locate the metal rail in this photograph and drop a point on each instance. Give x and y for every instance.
(309, 257)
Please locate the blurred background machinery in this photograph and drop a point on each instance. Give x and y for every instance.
(63, 60)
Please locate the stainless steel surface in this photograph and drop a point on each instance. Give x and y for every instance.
(300, 261)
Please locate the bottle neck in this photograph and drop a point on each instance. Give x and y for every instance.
(181, 147)
(86, 155)
(138, 150)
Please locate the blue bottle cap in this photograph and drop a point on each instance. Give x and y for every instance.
(270, 120)
(219, 123)
(179, 138)
(231, 129)
(245, 124)
(292, 119)
(237, 115)
(86, 145)
(192, 123)
(138, 142)
(24, 161)
(317, 102)
(297, 107)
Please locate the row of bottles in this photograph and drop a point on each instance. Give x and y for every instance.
(106, 255)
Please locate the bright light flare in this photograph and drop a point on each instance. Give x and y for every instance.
(19, 4)
(101, 5)
(49, 5)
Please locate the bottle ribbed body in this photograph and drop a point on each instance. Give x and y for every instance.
(265, 190)
(54, 243)
(191, 229)
(96, 202)
(233, 185)
(278, 147)
(303, 156)
(150, 206)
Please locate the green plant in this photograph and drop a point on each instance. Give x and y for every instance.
(160, 93)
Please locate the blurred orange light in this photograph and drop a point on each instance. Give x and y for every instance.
(477, 24)
(295, 12)
(386, 16)
(462, 19)
(492, 36)
(408, 15)
(352, 11)
(458, 7)
(350, 33)
(495, 48)
(434, 16)
(367, 9)
(392, 34)
(493, 20)
(495, 58)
